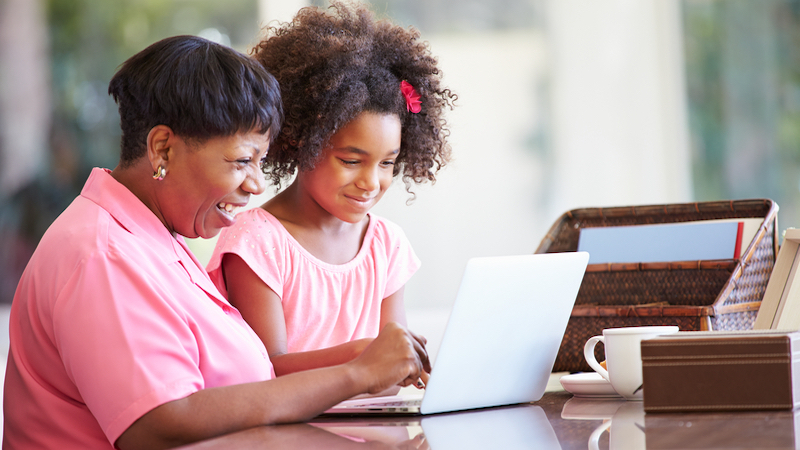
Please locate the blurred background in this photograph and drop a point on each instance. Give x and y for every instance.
(562, 104)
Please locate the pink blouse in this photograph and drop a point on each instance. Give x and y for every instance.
(323, 304)
(113, 317)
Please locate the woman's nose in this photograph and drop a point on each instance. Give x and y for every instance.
(255, 183)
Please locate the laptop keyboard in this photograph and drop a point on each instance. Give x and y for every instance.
(397, 404)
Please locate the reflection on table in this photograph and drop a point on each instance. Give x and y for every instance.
(558, 421)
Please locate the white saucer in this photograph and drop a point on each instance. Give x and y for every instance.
(588, 384)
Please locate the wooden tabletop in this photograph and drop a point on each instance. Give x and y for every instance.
(557, 421)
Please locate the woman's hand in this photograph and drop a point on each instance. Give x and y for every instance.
(396, 357)
(358, 346)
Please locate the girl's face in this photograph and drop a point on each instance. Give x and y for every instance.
(206, 184)
(357, 168)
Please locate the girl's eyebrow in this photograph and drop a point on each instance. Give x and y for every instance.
(359, 151)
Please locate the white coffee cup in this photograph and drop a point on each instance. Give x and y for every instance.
(625, 429)
(623, 357)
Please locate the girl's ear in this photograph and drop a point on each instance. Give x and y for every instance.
(159, 146)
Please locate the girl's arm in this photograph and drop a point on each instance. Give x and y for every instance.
(393, 309)
(262, 309)
(397, 356)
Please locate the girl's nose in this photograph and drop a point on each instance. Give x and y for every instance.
(369, 179)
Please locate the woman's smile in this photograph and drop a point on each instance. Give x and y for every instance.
(229, 210)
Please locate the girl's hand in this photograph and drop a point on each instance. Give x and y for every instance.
(396, 357)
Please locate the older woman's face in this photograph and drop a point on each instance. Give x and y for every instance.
(206, 184)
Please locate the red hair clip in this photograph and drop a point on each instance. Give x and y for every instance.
(413, 103)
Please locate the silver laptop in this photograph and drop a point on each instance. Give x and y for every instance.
(501, 339)
(509, 428)
(521, 427)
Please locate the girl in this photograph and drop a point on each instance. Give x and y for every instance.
(313, 272)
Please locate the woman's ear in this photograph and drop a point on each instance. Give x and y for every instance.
(159, 143)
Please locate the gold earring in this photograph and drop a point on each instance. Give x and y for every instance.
(160, 173)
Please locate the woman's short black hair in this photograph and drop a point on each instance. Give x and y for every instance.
(333, 65)
(198, 88)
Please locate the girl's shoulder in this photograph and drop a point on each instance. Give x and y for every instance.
(255, 219)
(386, 233)
(395, 250)
(257, 215)
(253, 228)
(383, 224)
(256, 235)
(259, 240)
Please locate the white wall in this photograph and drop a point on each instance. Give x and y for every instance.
(620, 130)
(280, 10)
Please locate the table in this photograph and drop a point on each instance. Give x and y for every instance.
(557, 421)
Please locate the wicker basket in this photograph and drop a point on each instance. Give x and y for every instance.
(695, 295)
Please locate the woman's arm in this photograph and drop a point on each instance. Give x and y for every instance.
(261, 307)
(396, 356)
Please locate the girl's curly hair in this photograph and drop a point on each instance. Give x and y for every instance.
(333, 65)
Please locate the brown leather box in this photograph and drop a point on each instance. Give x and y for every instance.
(721, 371)
(723, 430)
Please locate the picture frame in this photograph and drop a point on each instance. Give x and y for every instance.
(780, 307)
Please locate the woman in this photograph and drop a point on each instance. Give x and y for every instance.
(118, 336)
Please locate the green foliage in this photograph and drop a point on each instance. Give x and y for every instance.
(89, 39)
(743, 89)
